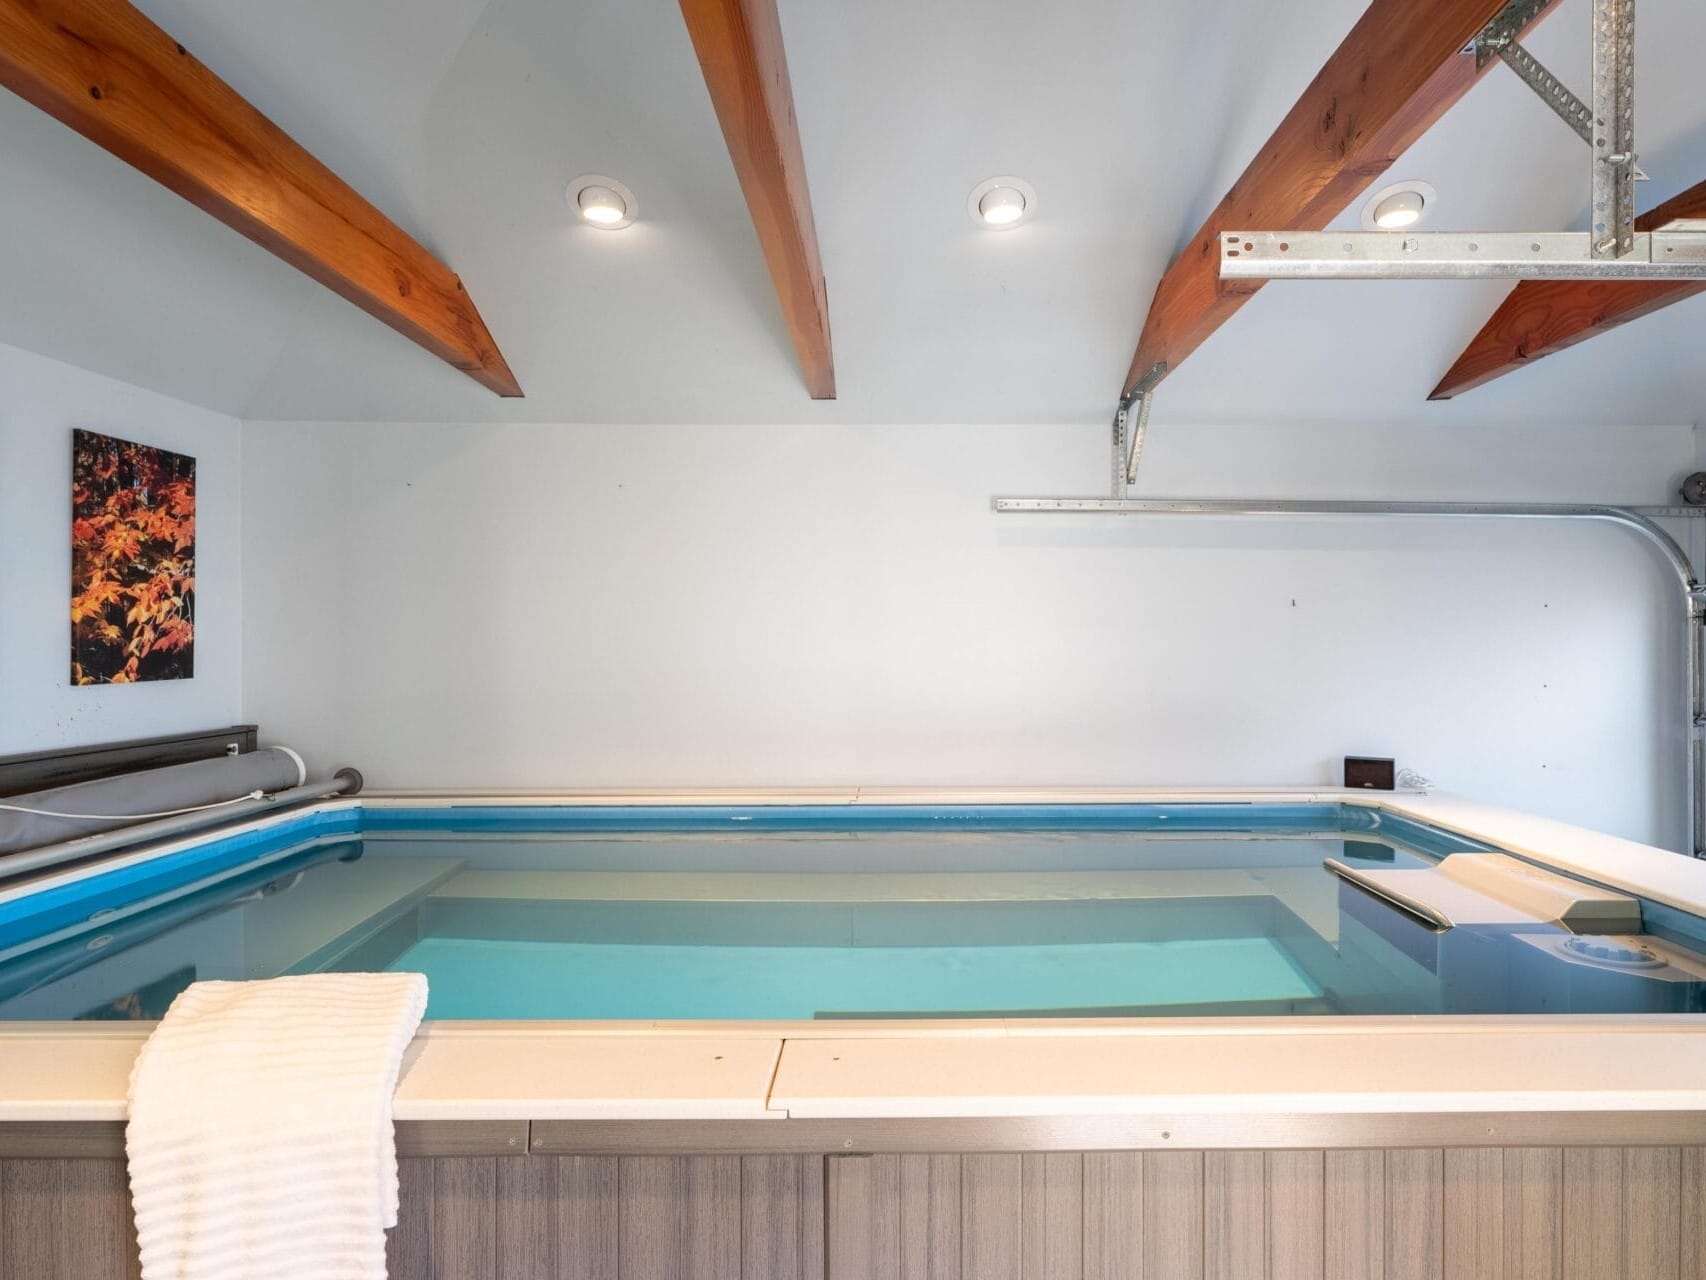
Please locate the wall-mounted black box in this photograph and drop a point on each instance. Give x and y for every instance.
(1369, 773)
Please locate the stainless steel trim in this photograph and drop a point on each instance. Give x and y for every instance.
(104, 1139)
(1668, 548)
(1187, 1132)
(1386, 893)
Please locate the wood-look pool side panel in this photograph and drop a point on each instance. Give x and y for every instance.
(1400, 1214)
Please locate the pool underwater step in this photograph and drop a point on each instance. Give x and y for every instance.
(844, 923)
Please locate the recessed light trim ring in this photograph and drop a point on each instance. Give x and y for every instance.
(1399, 206)
(1002, 203)
(602, 202)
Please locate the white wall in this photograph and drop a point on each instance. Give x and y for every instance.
(528, 606)
(41, 400)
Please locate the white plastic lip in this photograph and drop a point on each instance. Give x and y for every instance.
(1411, 186)
(580, 184)
(983, 188)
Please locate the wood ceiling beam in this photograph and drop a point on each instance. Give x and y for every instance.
(102, 67)
(1399, 70)
(739, 43)
(1540, 317)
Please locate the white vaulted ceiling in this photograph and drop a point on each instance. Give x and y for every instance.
(464, 119)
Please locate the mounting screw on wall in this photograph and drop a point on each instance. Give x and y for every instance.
(1694, 489)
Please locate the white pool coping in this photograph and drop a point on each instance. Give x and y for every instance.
(997, 1067)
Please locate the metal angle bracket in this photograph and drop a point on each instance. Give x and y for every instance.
(1555, 94)
(1499, 40)
(1507, 24)
(1131, 428)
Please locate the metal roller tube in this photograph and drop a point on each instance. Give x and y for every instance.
(344, 782)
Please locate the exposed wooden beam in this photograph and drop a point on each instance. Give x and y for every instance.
(103, 68)
(1398, 71)
(739, 43)
(1540, 317)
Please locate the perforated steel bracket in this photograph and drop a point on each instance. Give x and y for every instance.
(1547, 87)
(1507, 24)
(1613, 207)
(1131, 426)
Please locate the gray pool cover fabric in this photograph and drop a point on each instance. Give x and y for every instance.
(128, 797)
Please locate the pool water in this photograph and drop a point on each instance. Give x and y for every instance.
(648, 914)
(480, 978)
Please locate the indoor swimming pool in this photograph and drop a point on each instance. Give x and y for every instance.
(806, 913)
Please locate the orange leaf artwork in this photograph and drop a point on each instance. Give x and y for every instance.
(132, 562)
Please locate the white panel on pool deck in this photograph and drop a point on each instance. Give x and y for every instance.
(639, 1077)
(1520, 1065)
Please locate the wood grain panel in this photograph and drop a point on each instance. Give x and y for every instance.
(32, 1232)
(464, 1218)
(526, 1219)
(1539, 318)
(1415, 1215)
(1533, 1213)
(1632, 1213)
(652, 1235)
(1053, 1216)
(408, 1245)
(813, 1202)
(773, 1207)
(739, 43)
(1235, 1215)
(588, 1219)
(1398, 71)
(1652, 1227)
(992, 1234)
(713, 1213)
(1592, 1226)
(1113, 1215)
(1474, 1211)
(929, 1213)
(864, 1217)
(1692, 1212)
(1173, 1214)
(96, 1222)
(1355, 1204)
(103, 68)
(1297, 1215)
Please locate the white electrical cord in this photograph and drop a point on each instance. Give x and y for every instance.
(1410, 780)
(256, 794)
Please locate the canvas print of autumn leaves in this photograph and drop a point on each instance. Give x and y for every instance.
(132, 562)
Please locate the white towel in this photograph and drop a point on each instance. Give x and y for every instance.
(260, 1136)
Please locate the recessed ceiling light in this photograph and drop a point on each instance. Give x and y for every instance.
(1001, 203)
(1401, 205)
(602, 202)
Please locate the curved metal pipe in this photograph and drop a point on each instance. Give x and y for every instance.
(1668, 547)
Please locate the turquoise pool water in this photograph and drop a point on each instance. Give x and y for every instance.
(472, 978)
(813, 913)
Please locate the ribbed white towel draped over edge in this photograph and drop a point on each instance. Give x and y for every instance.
(260, 1138)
